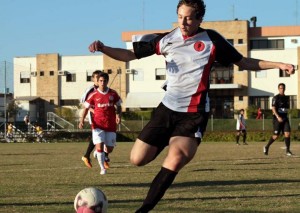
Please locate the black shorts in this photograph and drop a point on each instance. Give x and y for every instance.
(241, 131)
(166, 123)
(279, 127)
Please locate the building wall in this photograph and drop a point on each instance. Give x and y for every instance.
(143, 80)
(240, 30)
(117, 76)
(266, 84)
(24, 65)
(46, 84)
(81, 66)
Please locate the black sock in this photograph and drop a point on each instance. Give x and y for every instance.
(287, 143)
(271, 140)
(237, 138)
(89, 149)
(159, 186)
(244, 138)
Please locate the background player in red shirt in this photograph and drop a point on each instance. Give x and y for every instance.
(107, 114)
(86, 158)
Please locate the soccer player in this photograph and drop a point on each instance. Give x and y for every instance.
(9, 133)
(39, 134)
(86, 158)
(181, 118)
(280, 106)
(107, 114)
(241, 128)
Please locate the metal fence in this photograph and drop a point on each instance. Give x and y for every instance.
(217, 124)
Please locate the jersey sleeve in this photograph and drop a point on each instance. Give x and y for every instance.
(89, 101)
(118, 99)
(146, 45)
(274, 100)
(226, 54)
(87, 92)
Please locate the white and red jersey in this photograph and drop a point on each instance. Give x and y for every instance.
(188, 64)
(86, 94)
(104, 109)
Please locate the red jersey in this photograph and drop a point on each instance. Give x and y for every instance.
(104, 112)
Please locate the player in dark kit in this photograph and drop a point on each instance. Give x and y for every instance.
(180, 119)
(241, 128)
(280, 106)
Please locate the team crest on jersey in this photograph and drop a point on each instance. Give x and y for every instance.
(111, 98)
(199, 46)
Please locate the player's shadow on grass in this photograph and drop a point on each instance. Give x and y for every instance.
(205, 183)
(37, 204)
(20, 154)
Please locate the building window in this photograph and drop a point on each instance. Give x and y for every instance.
(283, 73)
(51, 73)
(260, 101)
(221, 74)
(24, 77)
(24, 80)
(160, 74)
(231, 41)
(261, 74)
(41, 73)
(51, 102)
(267, 44)
(240, 41)
(71, 77)
(241, 98)
(89, 74)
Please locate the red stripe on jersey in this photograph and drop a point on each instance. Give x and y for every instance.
(203, 84)
(157, 49)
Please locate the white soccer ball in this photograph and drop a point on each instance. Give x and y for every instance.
(91, 198)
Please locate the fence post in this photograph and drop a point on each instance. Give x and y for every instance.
(263, 123)
(212, 122)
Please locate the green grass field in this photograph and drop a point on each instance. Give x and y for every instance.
(222, 177)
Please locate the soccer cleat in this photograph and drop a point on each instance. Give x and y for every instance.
(245, 143)
(106, 165)
(86, 162)
(289, 153)
(103, 172)
(237, 143)
(266, 150)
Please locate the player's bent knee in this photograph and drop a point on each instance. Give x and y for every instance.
(138, 161)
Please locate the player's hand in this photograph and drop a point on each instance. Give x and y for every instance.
(96, 46)
(288, 68)
(279, 119)
(118, 119)
(80, 125)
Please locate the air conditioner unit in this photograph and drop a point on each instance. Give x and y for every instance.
(61, 72)
(33, 74)
(295, 41)
(129, 71)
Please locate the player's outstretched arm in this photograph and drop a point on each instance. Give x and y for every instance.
(256, 64)
(115, 53)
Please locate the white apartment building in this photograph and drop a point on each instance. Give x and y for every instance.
(50, 80)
